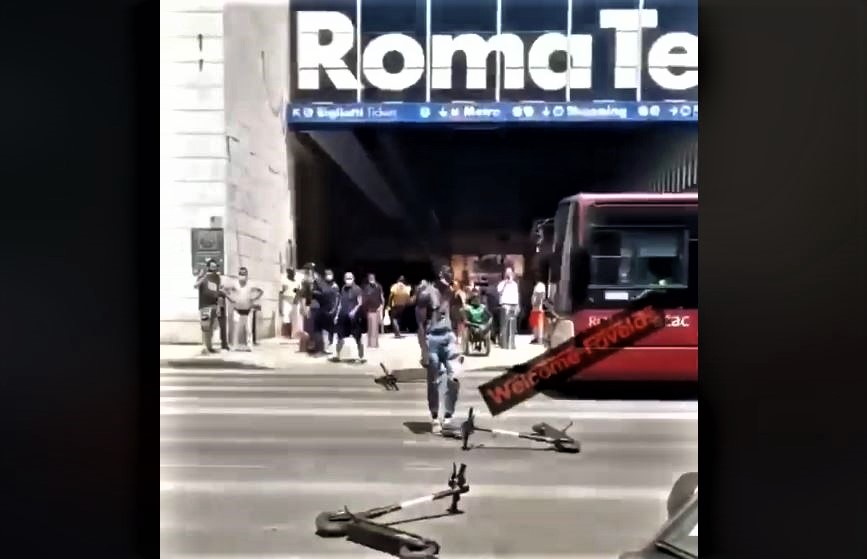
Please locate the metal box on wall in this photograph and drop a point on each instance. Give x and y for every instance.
(207, 243)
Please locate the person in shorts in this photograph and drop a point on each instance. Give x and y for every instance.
(243, 297)
(398, 298)
(208, 283)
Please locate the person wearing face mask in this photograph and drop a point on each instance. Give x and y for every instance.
(208, 283)
(509, 298)
(243, 297)
(327, 294)
(348, 319)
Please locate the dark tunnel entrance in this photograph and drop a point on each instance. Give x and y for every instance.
(470, 191)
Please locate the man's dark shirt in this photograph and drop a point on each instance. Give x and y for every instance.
(372, 293)
(326, 295)
(349, 298)
(209, 290)
(492, 298)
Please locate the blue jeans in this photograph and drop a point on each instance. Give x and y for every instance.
(442, 387)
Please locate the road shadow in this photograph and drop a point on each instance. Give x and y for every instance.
(426, 517)
(418, 427)
(424, 428)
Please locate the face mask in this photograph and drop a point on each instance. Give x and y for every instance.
(329, 279)
(348, 281)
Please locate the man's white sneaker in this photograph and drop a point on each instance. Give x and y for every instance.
(436, 427)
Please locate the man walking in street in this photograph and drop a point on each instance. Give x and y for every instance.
(510, 300)
(398, 299)
(374, 302)
(442, 386)
(348, 320)
(208, 283)
(243, 297)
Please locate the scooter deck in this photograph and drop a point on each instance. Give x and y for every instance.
(391, 540)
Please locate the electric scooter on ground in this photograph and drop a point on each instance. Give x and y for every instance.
(388, 539)
(541, 432)
(387, 380)
(390, 381)
(337, 524)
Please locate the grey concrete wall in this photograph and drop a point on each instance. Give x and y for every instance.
(259, 190)
(192, 152)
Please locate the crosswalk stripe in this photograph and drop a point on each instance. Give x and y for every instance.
(303, 372)
(363, 553)
(499, 491)
(428, 442)
(415, 412)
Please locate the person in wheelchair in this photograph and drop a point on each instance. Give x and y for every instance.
(479, 320)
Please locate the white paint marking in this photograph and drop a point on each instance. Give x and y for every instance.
(499, 491)
(427, 442)
(232, 466)
(348, 371)
(413, 413)
(363, 553)
(275, 389)
(694, 531)
(417, 467)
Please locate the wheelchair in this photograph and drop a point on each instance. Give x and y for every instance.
(477, 339)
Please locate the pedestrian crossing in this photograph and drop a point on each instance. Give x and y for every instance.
(248, 458)
(353, 393)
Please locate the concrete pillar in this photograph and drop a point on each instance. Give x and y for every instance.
(260, 201)
(192, 152)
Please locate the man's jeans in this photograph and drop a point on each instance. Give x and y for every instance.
(508, 326)
(442, 387)
(208, 317)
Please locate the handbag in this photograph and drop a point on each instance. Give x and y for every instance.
(386, 318)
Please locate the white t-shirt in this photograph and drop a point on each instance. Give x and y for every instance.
(289, 287)
(538, 295)
(508, 290)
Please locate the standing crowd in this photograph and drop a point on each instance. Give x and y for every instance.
(323, 314)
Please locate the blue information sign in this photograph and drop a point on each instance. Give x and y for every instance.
(300, 116)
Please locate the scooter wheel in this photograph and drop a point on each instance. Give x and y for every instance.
(333, 524)
(487, 350)
(430, 551)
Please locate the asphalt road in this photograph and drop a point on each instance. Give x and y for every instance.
(249, 458)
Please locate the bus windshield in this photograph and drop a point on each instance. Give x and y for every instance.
(630, 247)
(638, 257)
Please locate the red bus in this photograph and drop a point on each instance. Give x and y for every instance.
(609, 249)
